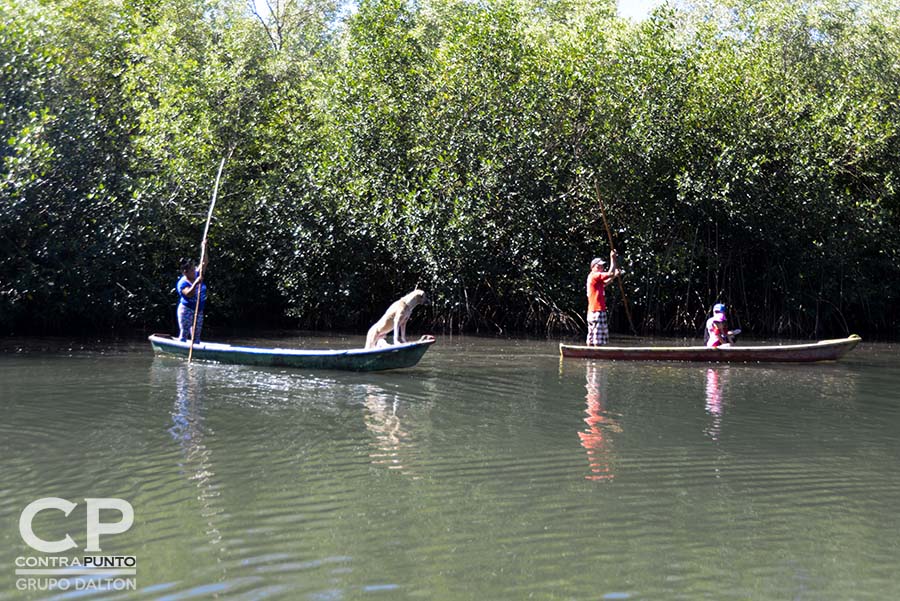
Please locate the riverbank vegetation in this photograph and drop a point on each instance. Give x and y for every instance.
(746, 153)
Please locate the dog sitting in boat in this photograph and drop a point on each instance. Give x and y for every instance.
(395, 319)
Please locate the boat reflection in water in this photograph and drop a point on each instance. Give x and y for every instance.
(595, 439)
(715, 408)
(189, 431)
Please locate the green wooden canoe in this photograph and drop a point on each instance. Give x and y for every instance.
(824, 350)
(388, 357)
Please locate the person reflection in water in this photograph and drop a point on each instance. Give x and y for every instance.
(595, 439)
(714, 402)
(188, 429)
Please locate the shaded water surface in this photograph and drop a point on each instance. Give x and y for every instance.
(491, 471)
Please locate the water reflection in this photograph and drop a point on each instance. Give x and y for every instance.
(595, 439)
(190, 431)
(714, 405)
(383, 422)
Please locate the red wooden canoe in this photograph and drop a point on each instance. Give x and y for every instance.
(824, 350)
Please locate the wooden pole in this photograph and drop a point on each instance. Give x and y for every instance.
(613, 247)
(212, 205)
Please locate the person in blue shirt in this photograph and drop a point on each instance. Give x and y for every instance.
(190, 283)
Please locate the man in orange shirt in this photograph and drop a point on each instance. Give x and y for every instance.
(598, 279)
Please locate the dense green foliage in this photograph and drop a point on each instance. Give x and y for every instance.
(746, 152)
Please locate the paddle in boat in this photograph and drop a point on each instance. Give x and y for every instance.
(386, 357)
(824, 350)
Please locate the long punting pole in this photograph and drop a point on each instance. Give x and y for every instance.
(612, 247)
(212, 205)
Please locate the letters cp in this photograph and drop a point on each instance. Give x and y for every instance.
(94, 526)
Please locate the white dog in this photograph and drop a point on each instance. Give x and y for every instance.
(395, 319)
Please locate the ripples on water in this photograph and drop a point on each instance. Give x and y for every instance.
(490, 471)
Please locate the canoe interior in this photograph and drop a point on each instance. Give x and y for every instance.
(824, 350)
(390, 357)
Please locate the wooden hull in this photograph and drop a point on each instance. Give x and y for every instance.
(824, 350)
(389, 357)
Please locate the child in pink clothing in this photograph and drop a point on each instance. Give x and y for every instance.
(717, 328)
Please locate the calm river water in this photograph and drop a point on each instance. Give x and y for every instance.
(493, 470)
